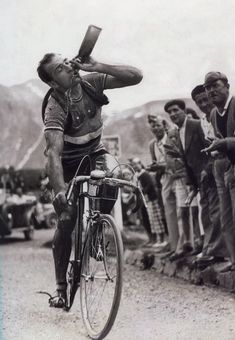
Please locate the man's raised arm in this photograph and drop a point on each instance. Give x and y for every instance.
(117, 75)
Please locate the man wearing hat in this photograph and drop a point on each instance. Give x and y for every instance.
(223, 120)
(184, 158)
(214, 248)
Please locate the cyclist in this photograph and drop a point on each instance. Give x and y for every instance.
(73, 128)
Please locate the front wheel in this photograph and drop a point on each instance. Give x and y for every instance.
(101, 276)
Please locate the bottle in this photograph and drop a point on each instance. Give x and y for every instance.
(88, 42)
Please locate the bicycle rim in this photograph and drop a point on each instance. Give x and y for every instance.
(101, 277)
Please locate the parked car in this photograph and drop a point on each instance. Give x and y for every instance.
(16, 212)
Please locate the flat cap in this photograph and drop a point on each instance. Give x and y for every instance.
(178, 102)
(211, 77)
(153, 118)
(197, 90)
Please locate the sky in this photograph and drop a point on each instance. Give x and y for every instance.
(175, 42)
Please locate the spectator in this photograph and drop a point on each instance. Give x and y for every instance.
(9, 179)
(158, 165)
(223, 121)
(177, 147)
(127, 200)
(45, 195)
(214, 248)
(191, 113)
(153, 207)
(18, 181)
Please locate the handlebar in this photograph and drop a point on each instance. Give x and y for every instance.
(99, 176)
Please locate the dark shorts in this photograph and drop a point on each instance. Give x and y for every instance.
(81, 164)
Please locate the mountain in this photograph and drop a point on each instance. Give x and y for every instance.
(21, 135)
(20, 118)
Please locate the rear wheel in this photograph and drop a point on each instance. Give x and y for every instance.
(101, 276)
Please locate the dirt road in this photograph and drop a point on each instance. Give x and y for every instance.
(153, 307)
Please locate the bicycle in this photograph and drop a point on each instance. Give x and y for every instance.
(97, 264)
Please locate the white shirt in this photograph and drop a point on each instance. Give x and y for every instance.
(207, 128)
(225, 106)
(159, 149)
(182, 133)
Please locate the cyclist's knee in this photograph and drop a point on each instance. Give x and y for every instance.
(66, 221)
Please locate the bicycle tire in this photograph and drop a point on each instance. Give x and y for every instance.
(96, 270)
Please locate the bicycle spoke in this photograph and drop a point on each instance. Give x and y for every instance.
(101, 277)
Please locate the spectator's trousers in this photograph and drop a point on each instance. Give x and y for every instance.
(169, 202)
(225, 181)
(214, 244)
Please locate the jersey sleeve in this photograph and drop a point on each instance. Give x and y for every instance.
(55, 117)
(97, 80)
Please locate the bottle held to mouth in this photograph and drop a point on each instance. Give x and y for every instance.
(88, 42)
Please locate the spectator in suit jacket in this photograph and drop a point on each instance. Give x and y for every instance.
(185, 159)
(214, 248)
(223, 121)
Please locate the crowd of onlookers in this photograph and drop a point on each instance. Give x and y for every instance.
(190, 185)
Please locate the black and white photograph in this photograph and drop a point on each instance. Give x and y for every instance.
(117, 170)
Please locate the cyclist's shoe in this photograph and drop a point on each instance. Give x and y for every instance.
(59, 300)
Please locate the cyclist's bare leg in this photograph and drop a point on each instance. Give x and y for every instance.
(61, 252)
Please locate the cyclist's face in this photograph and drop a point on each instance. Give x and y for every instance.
(61, 71)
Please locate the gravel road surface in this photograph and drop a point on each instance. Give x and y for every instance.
(153, 306)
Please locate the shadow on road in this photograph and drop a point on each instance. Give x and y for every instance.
(47, 244)
(8, 240)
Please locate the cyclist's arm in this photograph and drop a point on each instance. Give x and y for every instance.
(120, 75)
(54, 148)
(117, 75)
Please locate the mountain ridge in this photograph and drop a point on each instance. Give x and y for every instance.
(21, 125)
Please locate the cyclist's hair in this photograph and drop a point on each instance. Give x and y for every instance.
(42, 73)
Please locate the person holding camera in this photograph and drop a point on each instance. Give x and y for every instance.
(73, 129)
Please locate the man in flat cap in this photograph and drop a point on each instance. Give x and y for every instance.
(214, 248)
(184, 158)
(223, 121)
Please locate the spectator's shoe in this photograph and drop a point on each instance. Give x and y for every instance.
(187, 248)
(176, 256)
(197, 250)
(156, 244)
(59, 300)
(199, 255)
(207, 260)
(147, 243)
(160, 246)
(167, 255)
(228, 268)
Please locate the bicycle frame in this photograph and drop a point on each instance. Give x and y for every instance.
(96, 178)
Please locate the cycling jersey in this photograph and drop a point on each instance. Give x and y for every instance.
(79, 118)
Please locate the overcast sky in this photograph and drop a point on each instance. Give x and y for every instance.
(174, 42)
